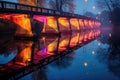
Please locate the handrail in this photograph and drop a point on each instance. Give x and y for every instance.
(4, 5)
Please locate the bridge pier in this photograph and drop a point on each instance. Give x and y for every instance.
(36, 26)
(70, 26)
(58, 26)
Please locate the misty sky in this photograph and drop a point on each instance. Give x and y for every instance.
(81, 6)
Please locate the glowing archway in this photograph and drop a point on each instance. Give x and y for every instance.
(50, 24)
(64, 24)
(22, 21)
(74, 40)
(81, 22)
(75, 24)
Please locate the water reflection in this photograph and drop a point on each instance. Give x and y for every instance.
(8, 50)
(47, 48)
(63, 62)
(30, 55)
(40, 74)
(64, 42)
(111, 54)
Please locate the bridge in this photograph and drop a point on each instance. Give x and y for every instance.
(31, 20)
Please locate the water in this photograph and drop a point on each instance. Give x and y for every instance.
(92, 59)
(83, 64)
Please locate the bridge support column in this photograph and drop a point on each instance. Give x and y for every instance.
(70, 33)
(78, 24)
(70, 26)
(59, 32)
(36, 26)
(83, 24)
(31, 21)
(79, 30)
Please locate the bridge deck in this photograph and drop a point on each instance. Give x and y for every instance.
(10, 7)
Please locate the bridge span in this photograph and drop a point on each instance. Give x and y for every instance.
(32, 20)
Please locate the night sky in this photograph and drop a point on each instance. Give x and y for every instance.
(81, 6)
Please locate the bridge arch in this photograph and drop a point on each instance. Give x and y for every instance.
(7, 27)
(22, 21)
(50, 23)
(64, 24)
(81, 23)
(74, 24)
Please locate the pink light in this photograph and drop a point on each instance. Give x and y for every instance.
(41, 18)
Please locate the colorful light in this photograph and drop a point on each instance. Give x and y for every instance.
(74, 23)
(81, 23)
(63, 22)
(23, 22)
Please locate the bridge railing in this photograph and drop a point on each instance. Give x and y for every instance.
(16, 7)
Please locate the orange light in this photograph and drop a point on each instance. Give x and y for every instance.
(51, 22)
(63, 44)
(22, 20)
(74, 40)
(52, 47)
(86, 36)
(86, 23)
(24, 56)
(64, 22)
(74, 23)
(80, 38)
(93, 24)
(90, 35)
(81, 23)
(90, 24)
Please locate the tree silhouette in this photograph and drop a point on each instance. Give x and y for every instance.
(113, 7)
(62, 5)
(111, 55)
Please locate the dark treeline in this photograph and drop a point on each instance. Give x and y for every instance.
(114, 9)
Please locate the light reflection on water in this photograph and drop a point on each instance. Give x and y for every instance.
(87, 62)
